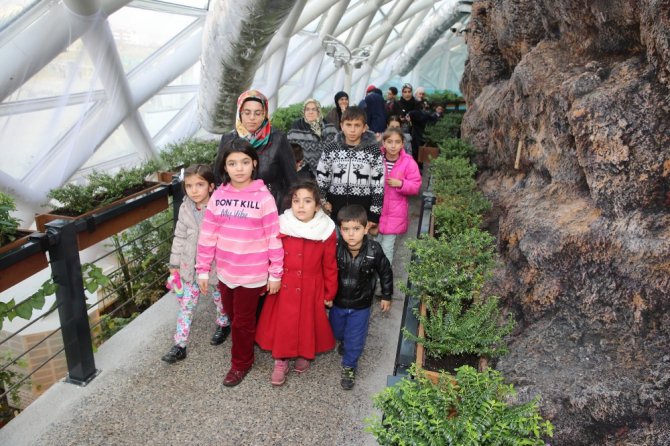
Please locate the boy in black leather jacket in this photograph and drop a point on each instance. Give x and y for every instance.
(359, 261)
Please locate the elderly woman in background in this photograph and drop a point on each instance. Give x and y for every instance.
(335, 115)
(311, 133)
(276, 165)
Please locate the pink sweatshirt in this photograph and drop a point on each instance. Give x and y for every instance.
(240, 229)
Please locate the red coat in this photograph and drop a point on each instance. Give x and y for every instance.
(294, 322)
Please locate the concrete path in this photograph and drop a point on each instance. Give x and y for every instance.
(139, 400)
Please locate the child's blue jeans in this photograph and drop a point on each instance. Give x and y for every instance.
(350, 326)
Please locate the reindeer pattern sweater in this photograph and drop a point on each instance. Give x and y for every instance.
(240, 230)
(352, 175)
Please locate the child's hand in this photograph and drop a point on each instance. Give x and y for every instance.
(203, 284)
(327, 208)
(385, 305)
(373, 228)
(273, 286)
(328, 303)
(394, 182)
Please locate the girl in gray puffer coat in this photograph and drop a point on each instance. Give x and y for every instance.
(198, 184)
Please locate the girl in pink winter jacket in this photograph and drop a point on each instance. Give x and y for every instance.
(401, 179)
(240, 230)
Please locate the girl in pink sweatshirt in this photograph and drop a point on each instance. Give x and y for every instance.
(240, 230)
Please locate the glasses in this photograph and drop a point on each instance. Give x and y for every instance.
(250, 113)
(311, 109)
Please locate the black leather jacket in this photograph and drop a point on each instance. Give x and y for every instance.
(357, 278)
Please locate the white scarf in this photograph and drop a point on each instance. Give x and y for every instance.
(319, 228)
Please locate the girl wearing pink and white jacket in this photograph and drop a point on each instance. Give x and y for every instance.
(240, 230)
(401, 179)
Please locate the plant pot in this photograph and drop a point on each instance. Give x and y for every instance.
(113, 225)
(161, 177)
(447, 363)
(21, 238)
(427, 153)
(25, 266)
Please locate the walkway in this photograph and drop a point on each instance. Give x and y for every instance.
(139, 400)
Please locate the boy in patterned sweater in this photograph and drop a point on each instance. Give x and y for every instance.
(351, 170)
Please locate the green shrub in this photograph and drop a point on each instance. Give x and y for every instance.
(283, 117)
(191, 151)
(472, 409)
(453, 176)
(442, 97)
(449, 126)
(450, 268)
(8, 224)
(450, 220)
(456, 148)
(452, 328)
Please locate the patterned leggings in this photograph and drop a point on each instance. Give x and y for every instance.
(187, 305)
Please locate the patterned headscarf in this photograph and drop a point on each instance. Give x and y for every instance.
(317, 125)
(262, 135)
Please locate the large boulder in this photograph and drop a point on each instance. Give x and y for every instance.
(569, 108)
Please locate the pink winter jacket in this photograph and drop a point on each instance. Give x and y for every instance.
(395, 211)
(240, 229)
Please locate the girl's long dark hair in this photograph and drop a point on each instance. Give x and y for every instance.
(235, 145)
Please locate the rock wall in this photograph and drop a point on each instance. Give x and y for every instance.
(569, 108)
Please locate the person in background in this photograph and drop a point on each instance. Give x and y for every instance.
(420, 96)
(312, 133)
(302, 168)
(198, 185)
(240, 230)
(294, 323)
(359, 262)
(334, 117)
(402, 179)
(373, 104)
(350, 170)
(276, 166)
(391, 104)
(395, 122)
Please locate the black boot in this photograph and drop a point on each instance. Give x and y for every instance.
(220, 335)
(175, 354)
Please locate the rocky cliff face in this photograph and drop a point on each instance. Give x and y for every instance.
(569, 107)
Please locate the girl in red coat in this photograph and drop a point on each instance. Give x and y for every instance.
(294, 323)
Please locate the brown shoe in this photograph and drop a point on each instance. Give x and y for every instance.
(234, 377)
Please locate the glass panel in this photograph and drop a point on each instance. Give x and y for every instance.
(136, 40)
(72, 71)
(188, 77)
(29, 136)
(158, 111)
(12, 9)
(202, 4)
(116, 146)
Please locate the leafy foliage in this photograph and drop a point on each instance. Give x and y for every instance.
(111, 325)
(8, 224)
(455, 329)
(8, 377)
(471, 409)
(187, 152)
(143, 253)
(93, 279)
(283, 117)
(456, 147)
(442, 97)
(450, 268)
(449, 126)
(101, 189)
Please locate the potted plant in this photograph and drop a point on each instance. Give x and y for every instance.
(448, 127)
(184, 153)
(456, 323)
(10, 234)
(102, 192)
(470, 408)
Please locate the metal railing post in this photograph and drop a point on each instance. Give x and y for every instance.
(71, 300)
(177, 192)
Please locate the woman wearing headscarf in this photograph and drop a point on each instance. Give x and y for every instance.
(276, 165)
(311, 133)
(335, 115)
